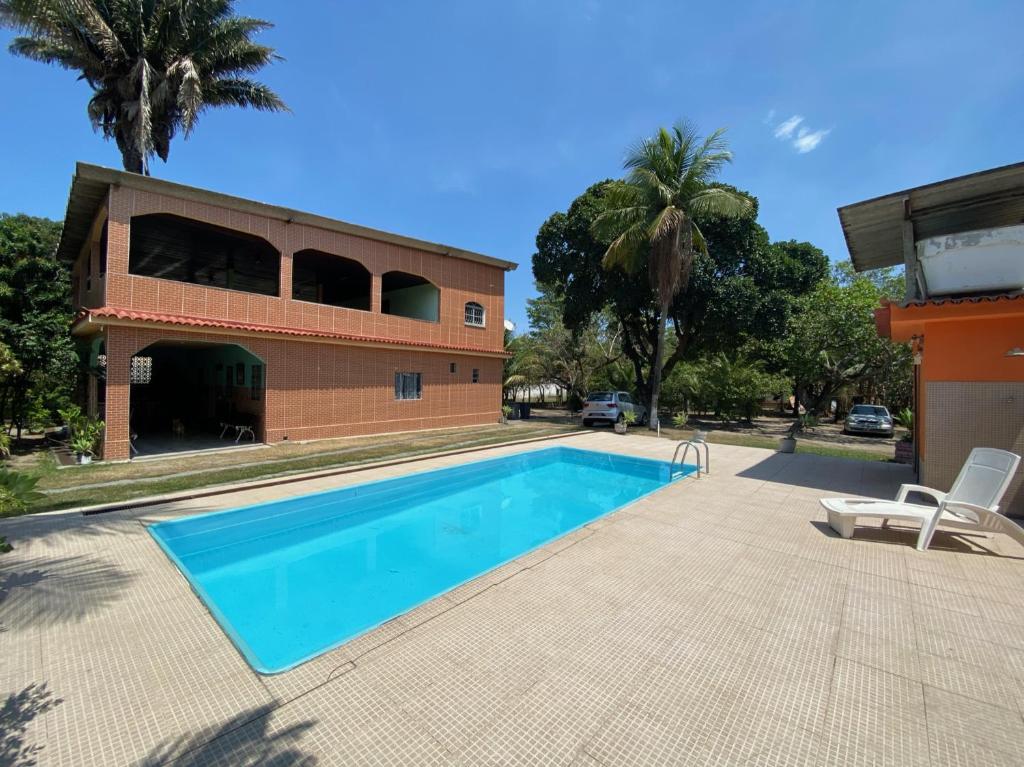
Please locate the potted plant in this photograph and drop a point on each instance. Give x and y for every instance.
(82, 445)
(628, 418)
(506, 411)
(788, 443)
(84, 438)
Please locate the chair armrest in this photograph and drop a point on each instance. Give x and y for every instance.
(906, 490)
(979, 512)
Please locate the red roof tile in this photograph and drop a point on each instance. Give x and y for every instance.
(107, 312)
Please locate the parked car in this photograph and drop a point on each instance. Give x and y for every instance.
(611, 406)
(869, 419)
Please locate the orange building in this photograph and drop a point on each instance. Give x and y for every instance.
(206, 317)
(961, 243)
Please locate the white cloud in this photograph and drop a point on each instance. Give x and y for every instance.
(807, 141)
(796, 133)
(769, 118)
(785, 128)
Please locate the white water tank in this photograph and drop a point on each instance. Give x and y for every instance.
(974, 262)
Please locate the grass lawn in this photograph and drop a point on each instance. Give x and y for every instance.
(111, 483)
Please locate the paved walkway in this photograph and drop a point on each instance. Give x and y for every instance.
(718, 621)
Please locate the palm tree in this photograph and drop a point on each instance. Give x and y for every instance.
(651, 216)
(153, 65)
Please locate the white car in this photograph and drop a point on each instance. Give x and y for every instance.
(611, 406)
(869, 419)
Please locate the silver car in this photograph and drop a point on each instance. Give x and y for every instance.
(610, 407)
(869, 419)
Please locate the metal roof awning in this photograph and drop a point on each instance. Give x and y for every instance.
(90, 185)
(988, 199)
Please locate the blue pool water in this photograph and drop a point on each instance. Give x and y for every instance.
(290, 579)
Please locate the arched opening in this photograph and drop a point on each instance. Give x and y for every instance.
(195, 395)
(409, 295)
(174, 248)
(325, 279)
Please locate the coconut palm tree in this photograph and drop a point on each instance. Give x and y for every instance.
(153, 65)
(651, 216)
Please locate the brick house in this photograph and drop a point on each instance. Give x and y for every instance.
(198, 310)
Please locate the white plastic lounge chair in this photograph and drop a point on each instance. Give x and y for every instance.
(971, 504)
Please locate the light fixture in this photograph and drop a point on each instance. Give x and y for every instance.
(1016, 351)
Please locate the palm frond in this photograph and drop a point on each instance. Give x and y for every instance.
(714, 200)
(153, 65)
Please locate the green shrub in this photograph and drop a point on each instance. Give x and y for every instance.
(732, 389)
(17, 491)
(905, 418)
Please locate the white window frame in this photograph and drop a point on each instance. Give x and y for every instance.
(483, 314)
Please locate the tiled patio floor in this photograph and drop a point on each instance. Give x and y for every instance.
(718, 622)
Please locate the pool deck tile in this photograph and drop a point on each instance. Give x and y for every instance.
(717, 621)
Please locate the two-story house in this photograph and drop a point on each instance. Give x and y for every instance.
(207, 317)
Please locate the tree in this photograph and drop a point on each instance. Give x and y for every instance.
(572, 358)
(652, 217)
(153, 66)
(739, 296)
(35, 311)
(832, 342)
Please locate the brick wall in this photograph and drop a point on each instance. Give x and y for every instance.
(459, 280)
(321, 390)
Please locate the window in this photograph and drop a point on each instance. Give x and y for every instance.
(240, 374)
(451, 367)
(408, 386)
(476, 375)
(140, 370)
(257, 382)
(474, 314)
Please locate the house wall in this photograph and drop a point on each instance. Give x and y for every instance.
(971, 394)
(459, 280)
(321, 390)
(964, 415)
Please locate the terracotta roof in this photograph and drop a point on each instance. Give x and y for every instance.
(940, 300)
(107, 312)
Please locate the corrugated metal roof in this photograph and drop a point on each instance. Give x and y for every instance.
(107, 313)
(90, 185)
(874, 228)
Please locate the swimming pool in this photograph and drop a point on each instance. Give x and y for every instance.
(291, 579)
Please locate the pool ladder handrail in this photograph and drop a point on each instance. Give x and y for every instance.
(695, 442)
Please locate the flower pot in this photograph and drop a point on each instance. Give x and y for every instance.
(904, 452)
(84, 458)
(787, 445)
(620, 427)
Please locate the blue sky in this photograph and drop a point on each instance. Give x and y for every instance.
(470, 122)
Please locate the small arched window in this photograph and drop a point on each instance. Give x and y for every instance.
(474, 314)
